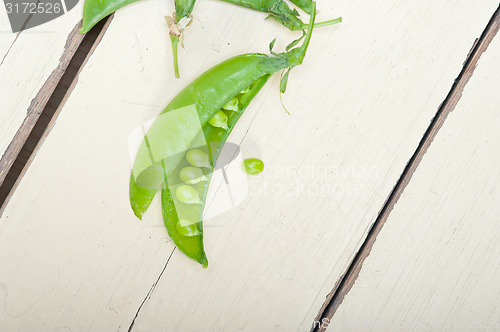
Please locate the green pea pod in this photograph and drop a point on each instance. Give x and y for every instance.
(96, 10)
(242, 77)
(281, 12)
(192, 246)
(183, 8)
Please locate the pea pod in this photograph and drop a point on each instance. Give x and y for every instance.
(239, 77)
(192, 245)
(96, 10)
(281, 12)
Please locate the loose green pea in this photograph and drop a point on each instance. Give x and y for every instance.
(232, 105)
(187, 194)
(189, 229)
(253, 166)
(219, 120)
(197, 158)
(192, 175)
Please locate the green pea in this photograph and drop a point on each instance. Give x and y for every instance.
(192, 175)
(187, 194)
(197, 158)
(186, 228)
(253, 166)
(219, 120)
(247, 90)
(232, 105)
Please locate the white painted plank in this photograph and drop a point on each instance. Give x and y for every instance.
(26, 63)
(435, 264)
(6, 35)
(359, 106)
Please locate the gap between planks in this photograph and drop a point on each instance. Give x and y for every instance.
(346, 282)
(45, 108)
(148, 295)
(38, 103)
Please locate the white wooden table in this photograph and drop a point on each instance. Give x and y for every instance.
(31, 64)
(74, 257)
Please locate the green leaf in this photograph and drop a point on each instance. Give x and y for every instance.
(271, 45)
(284, 81)
(295, 42)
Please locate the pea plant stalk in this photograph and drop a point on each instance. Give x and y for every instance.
(228, 87)
(180, 19)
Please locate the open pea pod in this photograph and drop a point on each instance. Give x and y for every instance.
(211, 97)
(183, 221)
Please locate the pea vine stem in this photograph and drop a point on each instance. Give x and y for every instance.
(175, 43)
(326, 23)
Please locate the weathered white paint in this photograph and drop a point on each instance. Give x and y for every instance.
(6, 35)
(26, 62)
(435, 263)
(74, 256)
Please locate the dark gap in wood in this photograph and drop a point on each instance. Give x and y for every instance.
(343, 286)
(48, 112)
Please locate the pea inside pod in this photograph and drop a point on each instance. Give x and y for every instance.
(187, 229)
(192, 175)
(219, 120)
(197, 158)
(188, 195)
(232, 105)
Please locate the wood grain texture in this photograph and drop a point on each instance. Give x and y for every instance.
(46, 118)
(345, 284)
(359, 105)
(31, 64)
(7, 38)
(435, 263)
